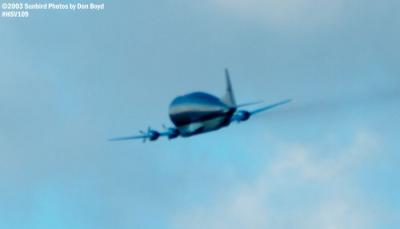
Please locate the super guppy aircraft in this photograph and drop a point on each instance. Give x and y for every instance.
(200, 112)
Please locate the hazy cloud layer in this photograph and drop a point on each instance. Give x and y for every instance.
(286, 13)
(306, 186)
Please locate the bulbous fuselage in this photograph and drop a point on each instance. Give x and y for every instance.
(199, 112)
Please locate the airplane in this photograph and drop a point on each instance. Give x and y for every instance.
(199, 112)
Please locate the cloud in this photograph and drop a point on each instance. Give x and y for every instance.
(285, 13)
(303, 187)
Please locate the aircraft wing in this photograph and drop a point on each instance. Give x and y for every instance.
(143, 136)
(269, 106)
(151, 135)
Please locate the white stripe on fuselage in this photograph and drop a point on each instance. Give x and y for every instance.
(208, 125)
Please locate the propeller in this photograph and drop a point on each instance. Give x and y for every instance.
(151, 134)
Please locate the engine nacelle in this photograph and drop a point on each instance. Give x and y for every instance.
(241, 116)
(173, 133)
(153, 135)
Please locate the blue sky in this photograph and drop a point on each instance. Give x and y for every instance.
(330, 159)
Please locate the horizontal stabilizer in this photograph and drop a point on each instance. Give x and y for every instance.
(248, 104)
(270, 106)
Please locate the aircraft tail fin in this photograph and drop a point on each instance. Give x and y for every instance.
(229, 97)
